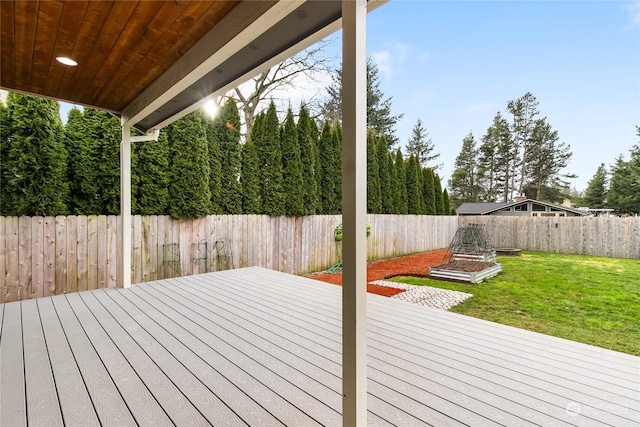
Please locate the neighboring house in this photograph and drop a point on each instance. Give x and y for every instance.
(520, 207)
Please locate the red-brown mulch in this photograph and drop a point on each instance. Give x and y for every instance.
(412, 265)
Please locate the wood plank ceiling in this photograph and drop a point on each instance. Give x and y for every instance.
(152, 61)
(120, 46)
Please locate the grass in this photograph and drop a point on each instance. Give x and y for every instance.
(589, 299)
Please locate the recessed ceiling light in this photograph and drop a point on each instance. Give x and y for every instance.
(66, 61)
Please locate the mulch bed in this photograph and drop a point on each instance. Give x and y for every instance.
(412, 265)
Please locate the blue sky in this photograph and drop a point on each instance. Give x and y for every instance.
(454, 64)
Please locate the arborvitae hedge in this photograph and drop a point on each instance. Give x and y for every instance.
(250, 180)
(292, 168)
(270, 157)
(437, 190)
(189, 170)
(446, 203)
(226, 130)
(384, 174)
(152, 169)
(428, 192)
(415, 200)
(401, 172)
(308, 163)
(34, 159)
(328, 163)
(374, 196)
(82, 167)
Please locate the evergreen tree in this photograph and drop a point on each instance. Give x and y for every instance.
(395, 184)
(152, 168)
(415, 199)
(215, 164)
(464, 179)
(337, 153)
(429, 192)
(400, 165)
(624, 185)
(74, 139)
(437, 187)
(384, 174)
(421, 146)
(292, 168)
(226, 131)
(5, 126)
(270, 164)
(446, 204)
(34, 159)
(250, 179)
(100, 161)
(498, 161)
(308, 161)
(328, 164)
(379, 117)
(596, 194)
(374, 197)
(547, 158)
(189, 167)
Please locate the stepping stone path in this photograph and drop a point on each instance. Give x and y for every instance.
(426, 296)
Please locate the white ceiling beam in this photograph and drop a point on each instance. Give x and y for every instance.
(204, 57)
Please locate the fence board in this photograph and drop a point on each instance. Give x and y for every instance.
(24, 257)
(112, 250)
(92, 252)
(12, 260)
(103, 246)
(152, 266)
(3, 258)
(61, 255)
(160, 233)
(37, 258)
(136, 249)
(49, 256)
(82, 253)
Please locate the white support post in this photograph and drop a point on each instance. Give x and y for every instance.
(354, 214)
(124, 251)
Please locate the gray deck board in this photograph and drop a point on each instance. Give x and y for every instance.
(168, 395)
(75, 402)
(143, 406)
(245, 366)
(105, 396)
(217, 372)
(258, 347)
(42, 403)
(266, 349)
(13, 407)
(306, 318)
(209, 405)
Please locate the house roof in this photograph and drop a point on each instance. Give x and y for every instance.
(489, 207)
(480, 208)
(152, 61)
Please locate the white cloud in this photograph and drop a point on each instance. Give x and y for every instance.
(633, 9)
(382, 59)
(395, 55)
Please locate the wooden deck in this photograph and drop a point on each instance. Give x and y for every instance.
(257, 347)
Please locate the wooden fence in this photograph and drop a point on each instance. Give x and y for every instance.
(599, 236)
(42, 256)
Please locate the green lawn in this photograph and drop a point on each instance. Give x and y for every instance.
(593, 300)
